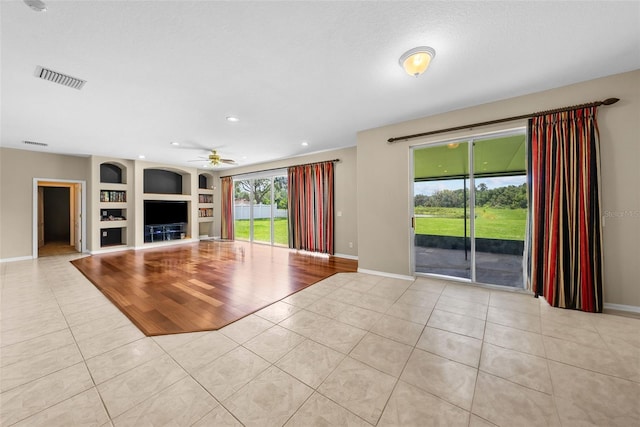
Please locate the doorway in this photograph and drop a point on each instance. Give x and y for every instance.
(470, 208)
(59, 224)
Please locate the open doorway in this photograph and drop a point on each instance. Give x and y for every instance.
(58, 217)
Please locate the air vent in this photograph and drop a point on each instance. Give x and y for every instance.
(55, 77)
(39, 144)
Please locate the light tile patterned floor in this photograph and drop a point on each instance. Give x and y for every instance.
(354, 349)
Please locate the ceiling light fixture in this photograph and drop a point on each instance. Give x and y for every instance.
(232, 119)
(175, 143)
(305, 143)
(36, 5)
(141, 156)
(417, 60)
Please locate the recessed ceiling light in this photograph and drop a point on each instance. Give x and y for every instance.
(141, 156)
(232, 119)
(305, 143)
(175, 143)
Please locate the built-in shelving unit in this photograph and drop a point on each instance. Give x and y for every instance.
(205, 205)
(166, 205)
(112, 205)
(122, 192)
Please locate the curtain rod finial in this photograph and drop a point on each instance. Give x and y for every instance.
(610, 101)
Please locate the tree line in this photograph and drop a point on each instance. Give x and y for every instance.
(511, 196)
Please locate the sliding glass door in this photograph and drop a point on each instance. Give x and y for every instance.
(441, 210)
(470, 201)
(260, 209)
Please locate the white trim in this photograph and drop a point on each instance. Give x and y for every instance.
(353, 257)
(165, 243)
(18, 258)
(108, 250)
(83, 212)
(385, 274)
(621, 307)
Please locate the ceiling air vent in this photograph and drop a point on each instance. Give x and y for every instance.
(56, 77)
(39, 144)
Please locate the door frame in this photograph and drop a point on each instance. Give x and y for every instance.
(470, 139)
(36, 207)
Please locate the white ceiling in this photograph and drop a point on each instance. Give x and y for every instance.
(163, 71)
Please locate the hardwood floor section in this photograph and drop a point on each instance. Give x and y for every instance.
(203, 286)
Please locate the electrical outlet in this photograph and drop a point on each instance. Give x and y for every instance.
(104, 213)
(104, 234)
(351, 244)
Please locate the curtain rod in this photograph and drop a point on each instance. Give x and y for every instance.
(283, 167)
(607, 101)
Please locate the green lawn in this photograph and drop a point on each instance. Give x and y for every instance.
(491, 223)
(262, 230)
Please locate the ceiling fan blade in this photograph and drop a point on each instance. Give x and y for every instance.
(228, 161)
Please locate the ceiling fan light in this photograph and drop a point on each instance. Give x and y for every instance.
(417, 60)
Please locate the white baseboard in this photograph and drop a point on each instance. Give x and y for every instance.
(19, 258)
(353, 257)
(621, 307)
(109, 250)
(382, 273)
(165, 243)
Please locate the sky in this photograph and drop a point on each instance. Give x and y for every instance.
(430, 187)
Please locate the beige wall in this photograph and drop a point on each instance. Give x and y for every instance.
(17, 170)
(345, 193)
(383, 177)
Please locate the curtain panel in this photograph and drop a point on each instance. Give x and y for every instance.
(565, 244)
(310, 203)
(227, 208)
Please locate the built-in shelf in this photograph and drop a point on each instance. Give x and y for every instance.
(114, 224)
(113, 196)
(167, 197)
(205, 198)
(112, 205)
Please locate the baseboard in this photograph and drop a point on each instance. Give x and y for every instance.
(345, 256)
(621, 307)
(165, 243)
(18, 258)
(109, 250)
(382, 273)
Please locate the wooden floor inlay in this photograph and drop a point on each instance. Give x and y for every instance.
(203, 286)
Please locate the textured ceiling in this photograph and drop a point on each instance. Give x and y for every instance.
(166, 71)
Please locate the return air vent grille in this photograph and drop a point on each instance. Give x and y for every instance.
(63, 79)
(39, 144)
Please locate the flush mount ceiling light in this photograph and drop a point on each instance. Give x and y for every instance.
(232, 119)
(416, 61)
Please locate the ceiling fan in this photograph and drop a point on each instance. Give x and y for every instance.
(214, 159)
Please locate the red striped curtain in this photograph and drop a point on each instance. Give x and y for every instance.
(227, 208)
(310, 195)
(565, 258)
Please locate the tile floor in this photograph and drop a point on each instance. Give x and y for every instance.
(354, 350)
